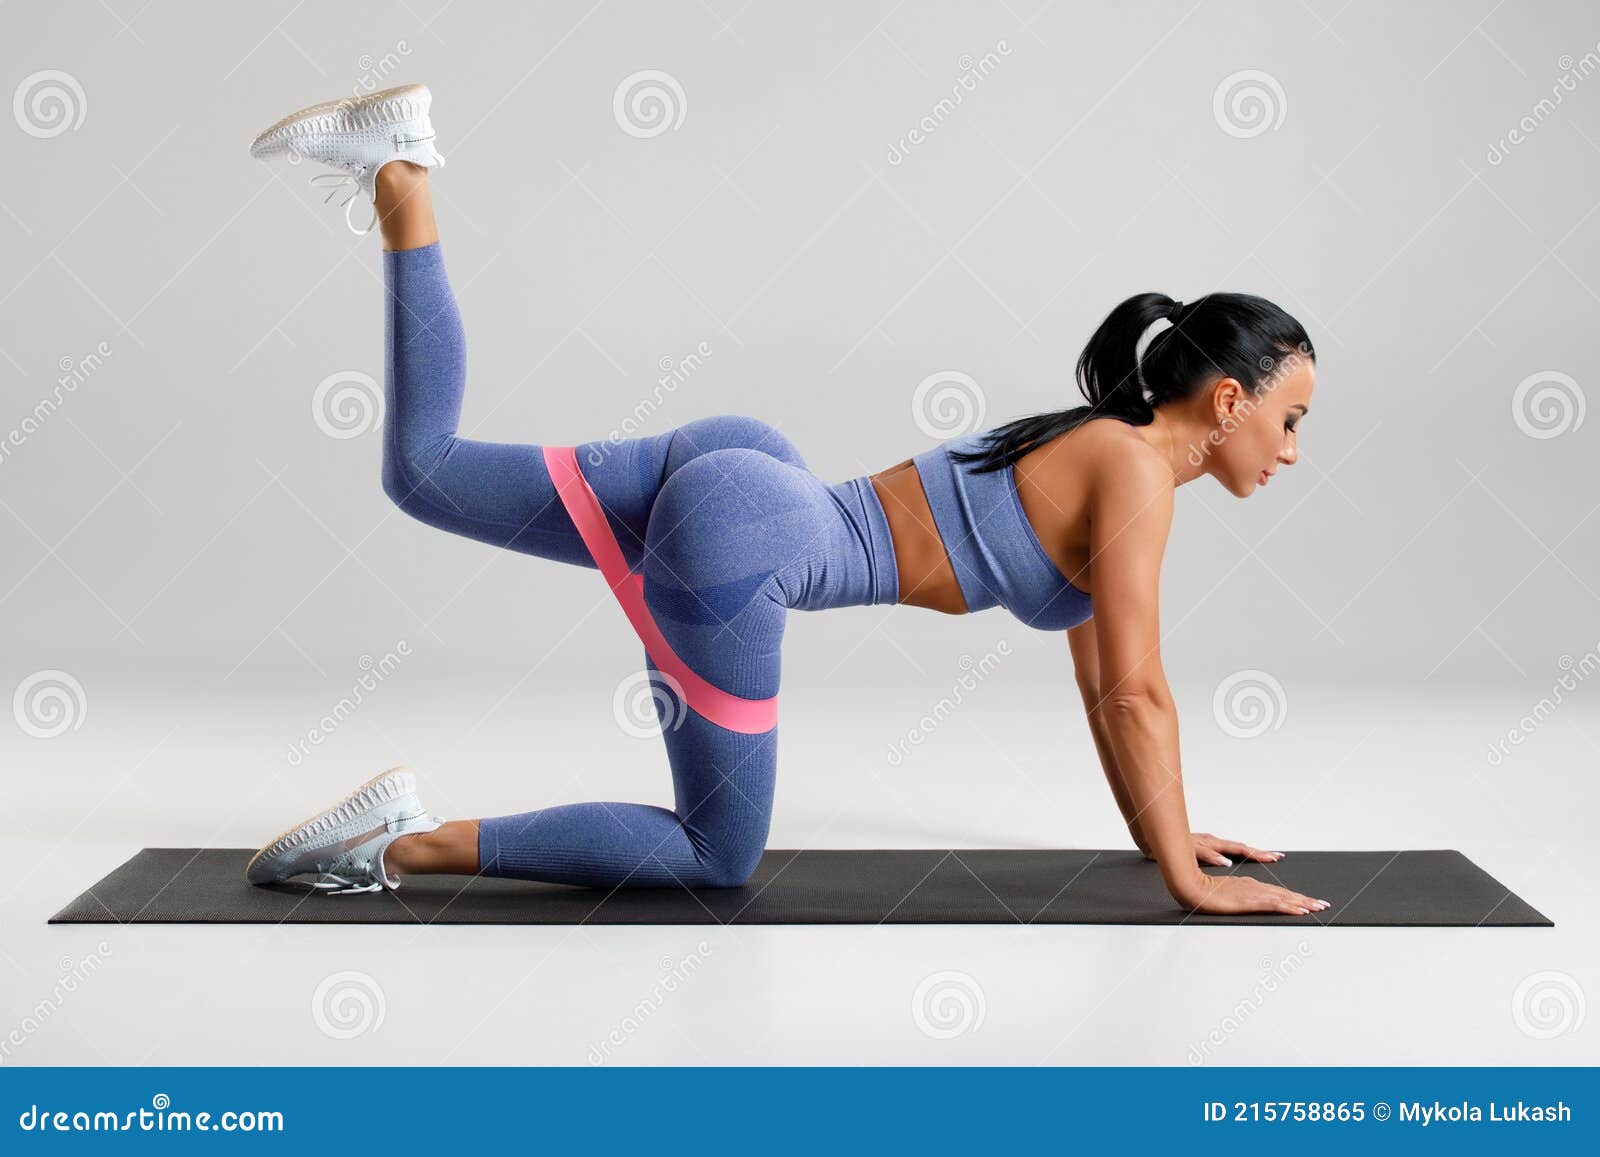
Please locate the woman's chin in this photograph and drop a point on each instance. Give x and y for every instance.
(1241, 488)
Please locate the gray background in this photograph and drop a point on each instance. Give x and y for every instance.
(210, 567)
(183, 501)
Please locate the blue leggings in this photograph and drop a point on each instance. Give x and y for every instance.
(729, 529)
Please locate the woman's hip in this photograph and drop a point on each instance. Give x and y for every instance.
(736, 523)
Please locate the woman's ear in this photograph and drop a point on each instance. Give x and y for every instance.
(1226, 394)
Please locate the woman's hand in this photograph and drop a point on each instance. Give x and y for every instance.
(1233, 895)
(1214, 850)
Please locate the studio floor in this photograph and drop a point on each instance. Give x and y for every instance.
(188, 760)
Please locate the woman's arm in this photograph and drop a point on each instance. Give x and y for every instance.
(1086, 663)
(1130, 514)
(1209, 849)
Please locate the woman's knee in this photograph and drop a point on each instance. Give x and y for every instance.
(730, 865)
(408, 469)
(401, 475)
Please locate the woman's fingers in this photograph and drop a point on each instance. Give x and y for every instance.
(1236, 894)
(1286, 899)
(1215, 851)
(1294, 904)
(1304, 901)
(1243, 851)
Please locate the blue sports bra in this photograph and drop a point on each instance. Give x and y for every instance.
(998, 559)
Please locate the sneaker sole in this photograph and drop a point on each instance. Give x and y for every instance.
(371, 794)
(351, 112)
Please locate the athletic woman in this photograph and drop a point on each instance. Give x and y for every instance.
(710, 533)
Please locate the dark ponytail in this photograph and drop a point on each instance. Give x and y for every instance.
(1235, 335)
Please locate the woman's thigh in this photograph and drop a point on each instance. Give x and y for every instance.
(729, 532)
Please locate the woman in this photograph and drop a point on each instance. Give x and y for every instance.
(710, 533)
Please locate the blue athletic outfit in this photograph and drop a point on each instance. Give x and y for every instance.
(729, 530)
(997, 557)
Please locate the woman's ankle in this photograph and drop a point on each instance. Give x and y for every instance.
(452, 847)
(398, 174)
(404, 206)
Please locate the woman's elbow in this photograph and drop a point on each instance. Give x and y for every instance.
(1137, 699)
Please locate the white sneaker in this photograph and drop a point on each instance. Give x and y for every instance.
(344, 845)
(359, 135)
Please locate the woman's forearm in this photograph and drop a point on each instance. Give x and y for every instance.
(1119, 789)
(1143, 735)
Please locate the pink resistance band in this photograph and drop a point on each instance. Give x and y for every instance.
(749, 716)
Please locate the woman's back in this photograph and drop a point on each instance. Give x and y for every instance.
(998, 556)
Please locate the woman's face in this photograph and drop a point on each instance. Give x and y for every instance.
(1256, 433)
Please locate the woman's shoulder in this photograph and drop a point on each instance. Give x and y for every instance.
(1105, 441)
(1111, 451)
(1108, 430)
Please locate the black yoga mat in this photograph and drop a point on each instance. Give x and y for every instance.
(985, 886)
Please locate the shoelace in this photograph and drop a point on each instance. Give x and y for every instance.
(334, 182)
(370, 876)
(336, 885)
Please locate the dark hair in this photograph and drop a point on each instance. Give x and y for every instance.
(1235, 335)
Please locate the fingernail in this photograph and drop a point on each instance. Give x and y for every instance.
(1226, 863)
(1302, 912)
